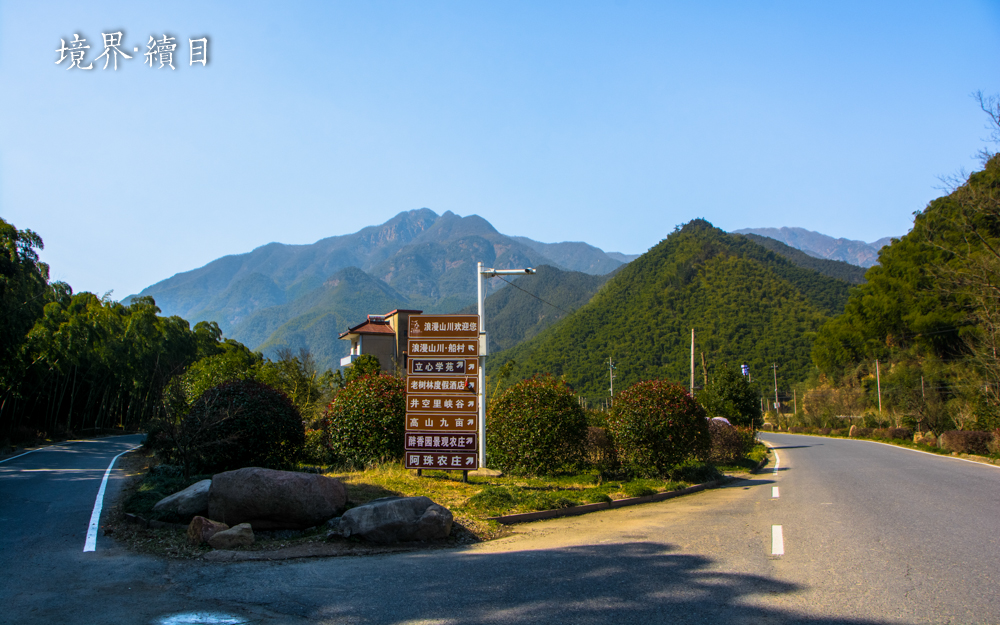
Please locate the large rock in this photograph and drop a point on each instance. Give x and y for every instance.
(397, 519)
(274, 500)
(239, 536)
(192, 501)
(201, 530)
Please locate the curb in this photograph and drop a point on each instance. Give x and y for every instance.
(763, 461)
(511, 519)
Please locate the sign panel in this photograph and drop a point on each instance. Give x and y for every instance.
(440, 423)
(418, 348)
(441, 460)
(436, 441)
(444, 404)
(443, 326)
(437, 384)
(446, 366)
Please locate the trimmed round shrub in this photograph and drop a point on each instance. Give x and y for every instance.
(535, 427)
(966, 442)
(729, 443)
(367, 419)
(656, 425)
(242, 423)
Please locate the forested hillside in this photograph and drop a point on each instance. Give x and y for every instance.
(746, 304)
(930, 313)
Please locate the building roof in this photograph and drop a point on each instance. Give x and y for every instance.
(369, 327)
(375, 324)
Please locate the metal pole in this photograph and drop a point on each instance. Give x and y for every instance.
(481, 273)
(692, 362)
(481, 389)
(878, 384)
(774, 365)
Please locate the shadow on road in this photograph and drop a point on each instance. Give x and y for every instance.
(795, 446)
(633, 583)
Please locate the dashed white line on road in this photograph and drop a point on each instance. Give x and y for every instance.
(95, 517)
(777, 462)
(777, 541)
(774, 492)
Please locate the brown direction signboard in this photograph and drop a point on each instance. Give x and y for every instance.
(438, 441)
(445, 404)
(436, 384)
(441, 401)
(442, 348)
(442, 366)
(440, 422)
(454, 461)
(448, 326)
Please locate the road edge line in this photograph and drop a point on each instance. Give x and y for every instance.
(95, 517)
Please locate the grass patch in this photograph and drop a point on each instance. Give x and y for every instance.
(471, 503)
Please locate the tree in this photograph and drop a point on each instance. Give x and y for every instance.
(24, 291)
(732, 396)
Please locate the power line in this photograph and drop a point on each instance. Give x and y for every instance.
(533, 295)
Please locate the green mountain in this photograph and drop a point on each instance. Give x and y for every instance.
(832, 268)
(533, 303)
(746, 304)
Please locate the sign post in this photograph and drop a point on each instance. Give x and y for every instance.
(442, 393)
(482, 272)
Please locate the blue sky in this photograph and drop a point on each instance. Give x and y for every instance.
(606, 122)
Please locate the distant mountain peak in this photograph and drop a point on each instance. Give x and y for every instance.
(821, 245)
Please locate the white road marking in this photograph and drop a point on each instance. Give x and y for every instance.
(18, 456)
(777, 541)
(192, 618)
(774, 492)
(777, 461)
(983, 464)
(95, 516)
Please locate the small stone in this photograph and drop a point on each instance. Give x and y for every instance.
(239, 536)
(200, 530)
(187, 503)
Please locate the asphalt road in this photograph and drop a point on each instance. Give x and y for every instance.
(870, 534)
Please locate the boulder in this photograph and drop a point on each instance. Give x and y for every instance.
(397, 519)
(192, 501)
(274, 500)
(201, 530)
(239, 536)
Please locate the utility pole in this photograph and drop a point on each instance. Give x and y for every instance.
(878, 384)
(611, 373)
(704, 370)
(692, 362)
(481, 273)
(795, 401)
(775, 367)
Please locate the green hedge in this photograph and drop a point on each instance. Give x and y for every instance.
(655, 425)
(367, 419)
(243, 423)
(535, 427)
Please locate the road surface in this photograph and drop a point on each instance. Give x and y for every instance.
(869, 534)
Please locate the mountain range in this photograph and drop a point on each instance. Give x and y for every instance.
(822, 246)
(303, 296)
